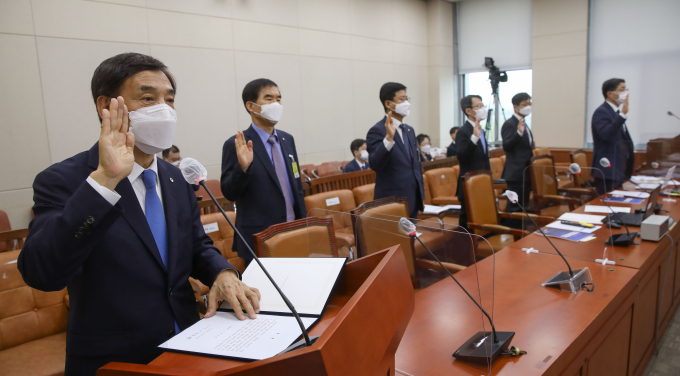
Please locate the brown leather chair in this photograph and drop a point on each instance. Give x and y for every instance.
(451, 219)
(317, 206)
(329, 169)
(546, 195)
(541, 151)
(442, 184)
(363, 193)
(305, 237)
(12, 240)
(484, 217)
(502, 157)
(207, 205)
(377, 228)
(32, 324)
(215, 189)
(4, 226)
(579, 157)
(306, 171)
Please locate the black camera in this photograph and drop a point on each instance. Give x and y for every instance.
(495, 74)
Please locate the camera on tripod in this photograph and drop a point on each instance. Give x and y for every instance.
(495, 74)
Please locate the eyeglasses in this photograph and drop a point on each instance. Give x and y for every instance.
(477, 107)
(407, 99)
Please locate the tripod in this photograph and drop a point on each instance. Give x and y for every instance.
(494, 111)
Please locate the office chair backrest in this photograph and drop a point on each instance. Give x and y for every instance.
(330, 202)
(480, 201)
(496, 167)
(363, 193)
(305, 237)
(543, 177)
(579, 157)
(442, 182)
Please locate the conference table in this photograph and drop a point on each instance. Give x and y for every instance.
(610, 331)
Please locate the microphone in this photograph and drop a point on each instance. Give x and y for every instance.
(471, 350)
(574, 280)
(670, 113)
(604, 162)
(622, 240)
(194, 173)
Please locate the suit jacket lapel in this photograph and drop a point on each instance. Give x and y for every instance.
(134, 215)
(261, 153)
(287, 161)
(170, 211)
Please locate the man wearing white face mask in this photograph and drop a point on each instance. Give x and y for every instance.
(260, 169)
(611, 139)
(473, 153)
(172, 156)
(360, 162)
(121, 228)
(518, 144)
(394, 151)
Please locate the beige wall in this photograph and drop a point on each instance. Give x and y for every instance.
(559, 58)
(329, 57)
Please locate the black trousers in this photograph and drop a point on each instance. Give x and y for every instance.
(605, 185)
(523, 190)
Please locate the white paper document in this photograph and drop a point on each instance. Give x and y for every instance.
(595, 219)
(307, 282)
(561, 226)
(630, 194)
(434, 209)
(648, 185)
(605, 209)
(225, 335)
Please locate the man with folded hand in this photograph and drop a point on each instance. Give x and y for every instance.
(121, 228)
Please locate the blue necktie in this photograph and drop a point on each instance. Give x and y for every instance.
(483, 141)
(405, 138)
(156, 218)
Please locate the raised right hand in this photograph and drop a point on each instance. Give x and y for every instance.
(116, 146)
(389, 127)
(520, 126)
(478, 128)
(624, 109)
(244, 151)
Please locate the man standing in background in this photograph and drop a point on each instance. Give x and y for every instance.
(611, 139)
(473, 153)
(171, 155)
(518, 143)
(260, 168)
(394, 152)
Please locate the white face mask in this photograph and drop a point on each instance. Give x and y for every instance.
(176, 163)
(621, 98)
(481, 113)
(426, 149)
(364, 155)
(526, 110)
(153, 127)
(270, 111)
(403, 108)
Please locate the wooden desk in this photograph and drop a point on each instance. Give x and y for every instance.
(559, 330)
(608, 332)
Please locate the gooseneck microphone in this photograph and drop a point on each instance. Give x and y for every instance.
(623, 240)
(472, 349)
(670, 113)
(194, 173)
(604, 162)
(512, 196)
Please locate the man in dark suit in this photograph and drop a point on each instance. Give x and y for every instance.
(360, 161)
(611, 138)
(394, 152)
(260, 170)
(121, 228)
(473, 153)
(451, 149)
(518, 143)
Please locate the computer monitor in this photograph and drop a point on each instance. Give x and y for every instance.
(651, 202)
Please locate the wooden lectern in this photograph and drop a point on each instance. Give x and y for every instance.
(360, 330)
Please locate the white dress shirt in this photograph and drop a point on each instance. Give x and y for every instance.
(360, 163)
(525, 127)
(137, 182)
(390, 144)
(473, 138)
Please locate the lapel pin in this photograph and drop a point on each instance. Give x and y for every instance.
(283, 139)
(171, 181)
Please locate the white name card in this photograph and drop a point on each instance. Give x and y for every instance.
(211, 227)
(333, 201)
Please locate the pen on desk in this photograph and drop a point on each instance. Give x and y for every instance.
(578, 224)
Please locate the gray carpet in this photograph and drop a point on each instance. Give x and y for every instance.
(667, 363)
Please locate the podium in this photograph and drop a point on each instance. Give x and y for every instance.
(360, 330)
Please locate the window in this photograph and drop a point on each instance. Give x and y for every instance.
(478, 83)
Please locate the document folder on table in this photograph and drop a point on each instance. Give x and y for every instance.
(307, 282)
